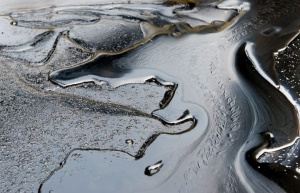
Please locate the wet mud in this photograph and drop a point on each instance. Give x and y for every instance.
(156, 96)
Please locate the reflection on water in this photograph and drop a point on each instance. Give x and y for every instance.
(173, 96)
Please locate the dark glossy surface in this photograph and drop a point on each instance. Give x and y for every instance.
(177, 96)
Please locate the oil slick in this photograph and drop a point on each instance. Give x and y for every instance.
(213, 75)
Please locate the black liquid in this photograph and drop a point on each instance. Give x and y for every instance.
(155, 97)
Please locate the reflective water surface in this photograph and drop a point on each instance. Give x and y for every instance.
(156, 96)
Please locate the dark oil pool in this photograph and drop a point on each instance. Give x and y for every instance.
(149, 96)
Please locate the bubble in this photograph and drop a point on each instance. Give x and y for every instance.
(14, 23)
(129, 141)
